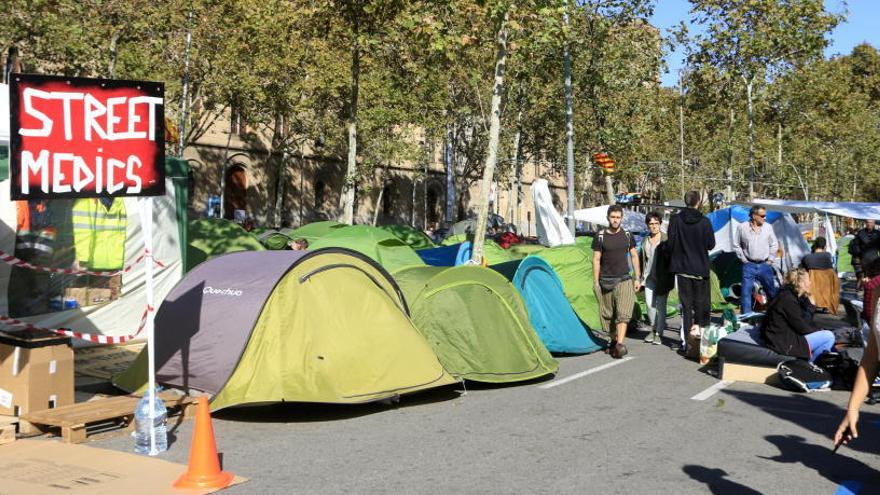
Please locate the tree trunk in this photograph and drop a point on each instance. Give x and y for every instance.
(515, 176)
(729, 172)
(609, 189)
(751, 127)
(449, 161)
(492, 154)
(351, 170)
(111, 66)
(569, 129)
(184, 93)
(681, 129)
(378, 206)
(779, 146)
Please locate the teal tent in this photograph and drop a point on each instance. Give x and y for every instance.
(550, 313)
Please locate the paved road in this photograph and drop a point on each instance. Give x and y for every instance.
(629, 428)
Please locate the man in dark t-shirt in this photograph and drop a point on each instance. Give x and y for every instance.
(615, 288)
(818, 259)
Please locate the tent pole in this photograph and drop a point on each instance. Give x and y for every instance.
(147, 230)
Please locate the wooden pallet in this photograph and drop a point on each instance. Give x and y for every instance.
(101, 418)
(7, 429)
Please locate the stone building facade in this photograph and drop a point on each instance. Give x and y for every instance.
(241, 168)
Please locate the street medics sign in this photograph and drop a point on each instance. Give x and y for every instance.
(77, 137)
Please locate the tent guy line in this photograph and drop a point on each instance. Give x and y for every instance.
(582, 374)
(709, 392)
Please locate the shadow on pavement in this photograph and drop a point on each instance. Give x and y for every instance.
(818, 416)
(834, 467)
(715, 481)
(307, 412)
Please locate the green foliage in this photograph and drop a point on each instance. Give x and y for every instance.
(427, 67)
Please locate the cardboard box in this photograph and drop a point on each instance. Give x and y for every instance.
(88, 296)
(747, 373)
(113, 283)
(36, 371)
(38, 467)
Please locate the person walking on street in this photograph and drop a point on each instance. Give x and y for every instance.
(615, 288)
(654, 264)
(756, 246)
(691, 237)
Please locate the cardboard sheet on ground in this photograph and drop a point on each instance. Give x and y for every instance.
(40, 467)
(107, 360)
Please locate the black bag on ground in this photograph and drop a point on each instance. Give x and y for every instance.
(841, 367)
(803, 376)
(848, 336)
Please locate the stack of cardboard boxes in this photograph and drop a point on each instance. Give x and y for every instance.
(36, 371)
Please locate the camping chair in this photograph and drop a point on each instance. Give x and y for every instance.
(826, 289)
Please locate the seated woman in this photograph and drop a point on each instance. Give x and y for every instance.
(788, 327)
(818, 259)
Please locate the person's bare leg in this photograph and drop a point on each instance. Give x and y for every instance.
(621, 331)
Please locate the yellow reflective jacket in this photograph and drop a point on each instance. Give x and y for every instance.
(99, 233)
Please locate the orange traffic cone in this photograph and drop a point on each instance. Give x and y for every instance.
(204, 465)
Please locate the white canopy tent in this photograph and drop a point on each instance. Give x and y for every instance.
(633, 221)
(860, 211)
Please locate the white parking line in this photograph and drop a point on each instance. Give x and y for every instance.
(556, 383)
(709, 392)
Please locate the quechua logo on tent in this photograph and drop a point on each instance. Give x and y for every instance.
(222, 292)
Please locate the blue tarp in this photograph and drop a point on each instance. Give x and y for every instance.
(454, 255)
(550, 313)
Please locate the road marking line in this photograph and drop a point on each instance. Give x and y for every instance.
(849, 487)
(709, 392)
(582, 374)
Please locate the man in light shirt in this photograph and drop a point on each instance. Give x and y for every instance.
(756, 246)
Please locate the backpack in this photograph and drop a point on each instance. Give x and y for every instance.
(841, 367)
(800, 375)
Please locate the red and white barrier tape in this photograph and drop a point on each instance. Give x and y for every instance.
(97, 339)
(13, 261)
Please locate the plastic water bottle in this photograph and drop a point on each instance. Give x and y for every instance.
(142, 425)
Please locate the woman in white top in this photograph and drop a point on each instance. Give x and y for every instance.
(865, 376)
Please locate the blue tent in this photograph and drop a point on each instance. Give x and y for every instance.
(453, 255)
(550, 313)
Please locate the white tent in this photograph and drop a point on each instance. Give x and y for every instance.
(861, 211)
(122, 316)
(633, 221)
(551, 228)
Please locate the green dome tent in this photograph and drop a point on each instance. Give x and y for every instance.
(209, 237)
(412, 237)
(378, 245)
(520, 251)
(326, 326)
(272, 239)
(313, 231)
(476, 322)
(493, 253)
